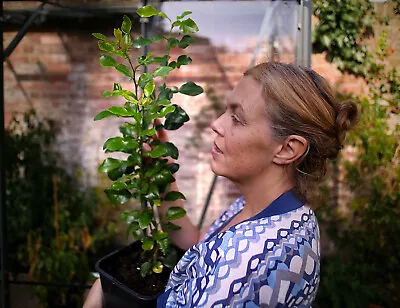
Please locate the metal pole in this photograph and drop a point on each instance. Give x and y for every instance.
(4, 287)
(303, 50)
(21, 32)
(143, 32)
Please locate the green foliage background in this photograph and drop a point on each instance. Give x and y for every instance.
(364, 268)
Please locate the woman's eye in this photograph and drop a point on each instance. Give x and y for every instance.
(235, 118)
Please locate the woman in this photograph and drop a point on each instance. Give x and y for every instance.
(280, 126)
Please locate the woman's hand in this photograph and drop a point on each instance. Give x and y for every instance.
(94, 298)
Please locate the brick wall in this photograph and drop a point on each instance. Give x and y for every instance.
(58, 74)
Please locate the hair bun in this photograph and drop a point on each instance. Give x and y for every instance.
(346, 118)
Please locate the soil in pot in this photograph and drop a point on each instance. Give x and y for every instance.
(126, 269)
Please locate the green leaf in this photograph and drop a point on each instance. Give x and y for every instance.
(110, 164)
(148, 132)
(141, 42)
(176, 23)
(163, 177)
(188, 26)
(118, 186)
(118, 196)
(149, 88)
(164, 245)
(120, 111)
(100, 36)
(162, 60)
(134, 159)
(105, 46)
(159, 235)
(126, 25)
(184, 14)
(176, 119)
(174, 195)
(133, 226)
(107, 61)
(162, 14)
(145, 269)
(165, 111)
(103, 114)
(162, 71)
(127, 129)
(163, 102)
(144, 79)
(114, 144)
(159, 150)
(171, 258)
(326, 40)
(165, 92)
(175, 212)
(147, 244)
(185, 41)
(152, 193)
(183, 60)
(117, 86)
(173, 42)
(171, 150)
(173, 167)
(147, 11)
(118, 35)
(173, 227)
(158, 267)
(144, 219)
(190, 88)
(173, 64)
(124, 70)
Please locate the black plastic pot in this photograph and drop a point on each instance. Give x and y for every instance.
(116, 294)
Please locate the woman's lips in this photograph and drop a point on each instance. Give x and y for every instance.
(216, 150)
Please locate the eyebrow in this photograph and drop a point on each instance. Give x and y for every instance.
(234, 105)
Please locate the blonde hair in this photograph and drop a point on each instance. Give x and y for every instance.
(300, 102)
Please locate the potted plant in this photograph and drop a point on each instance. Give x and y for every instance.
(143, 175)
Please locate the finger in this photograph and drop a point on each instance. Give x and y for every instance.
(161, 133)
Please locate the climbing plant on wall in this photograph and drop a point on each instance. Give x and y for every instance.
(364, 267)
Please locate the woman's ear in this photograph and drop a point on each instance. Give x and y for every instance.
(292, 148)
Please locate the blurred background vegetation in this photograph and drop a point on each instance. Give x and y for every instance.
(363, 267)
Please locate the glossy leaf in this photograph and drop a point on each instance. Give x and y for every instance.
(118, 35)
(163, 177)
(149, 88)
(171, 150)
(120, 111)
(152, 193)
(117, 86)
(162, 14)
(161, 59)
(183, 60)
(163, 102)
(159, 235)
(103, 114)
(114, 144)
(144, 219)
(110, 164)
(190, 88)
(158, 267)
(144, 79)
(105, 46)
(188, 26)
(163, 71)
(157, 151)
(176, 119)
(165, 111)
(185, 13)
(174, 213)
(147, 244)
(118, 196)
(147, 11)
(174, 195)
(149, 132)
(173, 227)
(185, 41)
(126, 25)
(124, 70)
(133, 226)
(164, 245)
(107, 61)
(173, 167)
(141, 42)
(173, 42)
(127, 129)
(100, 36)
(145, 268)
(118, 186)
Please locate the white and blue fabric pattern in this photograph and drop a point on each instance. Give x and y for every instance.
(269, 260)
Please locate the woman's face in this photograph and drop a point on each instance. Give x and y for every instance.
(244, 147)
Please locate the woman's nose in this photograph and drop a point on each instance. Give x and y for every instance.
(216, 126)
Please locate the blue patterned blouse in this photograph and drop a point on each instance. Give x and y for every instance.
(269, 260)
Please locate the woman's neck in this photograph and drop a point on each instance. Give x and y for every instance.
(261, 191)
